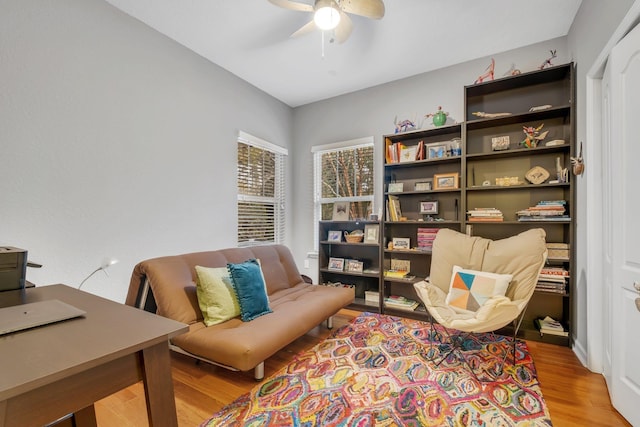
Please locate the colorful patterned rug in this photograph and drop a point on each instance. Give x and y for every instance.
(378, 370)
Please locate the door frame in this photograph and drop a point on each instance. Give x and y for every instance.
(593, 162)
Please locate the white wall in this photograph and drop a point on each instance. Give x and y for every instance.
(592, 28)
(371, 112)
(116, 141)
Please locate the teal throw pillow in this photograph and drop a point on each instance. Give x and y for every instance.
(250, 288)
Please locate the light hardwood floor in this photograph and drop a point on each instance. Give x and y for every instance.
(575, 396)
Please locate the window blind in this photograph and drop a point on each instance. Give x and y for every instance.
(261, 192)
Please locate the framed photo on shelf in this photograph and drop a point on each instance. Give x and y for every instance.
(437, 151)
(396, 187)
(446, 181)
(334, 236)
(336, 264)
(429, 208)
(408, 154)
(340, 211)
(423, 186)
(354, 266)
(401, 243)
(371, 233)
(499, 143)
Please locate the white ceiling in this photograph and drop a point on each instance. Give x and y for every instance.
(250, 38)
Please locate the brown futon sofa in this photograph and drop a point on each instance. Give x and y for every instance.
(167, 286)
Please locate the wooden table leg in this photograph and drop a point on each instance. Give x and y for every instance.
(158, 386)
(85, 417)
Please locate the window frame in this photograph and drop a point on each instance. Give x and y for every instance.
(317, 152)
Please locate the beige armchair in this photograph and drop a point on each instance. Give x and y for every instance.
(521, 256)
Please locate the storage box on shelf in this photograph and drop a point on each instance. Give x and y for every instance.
(520, 176)
(422, 194)
(345, 260)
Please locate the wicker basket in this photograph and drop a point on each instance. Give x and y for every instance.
(354, 238)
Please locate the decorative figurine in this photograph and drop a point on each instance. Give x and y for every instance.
(547, 62)
(513, 71)
(404, 125)
(577, 163)
(561, 173)
(488, 73)
(533, 136)
(439, 117)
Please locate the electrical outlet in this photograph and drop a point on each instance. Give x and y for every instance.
(306, 263)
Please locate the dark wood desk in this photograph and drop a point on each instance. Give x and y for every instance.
(63, 368)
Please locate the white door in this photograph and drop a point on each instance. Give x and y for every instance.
(624, 185)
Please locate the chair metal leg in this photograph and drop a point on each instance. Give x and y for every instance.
(456, 344)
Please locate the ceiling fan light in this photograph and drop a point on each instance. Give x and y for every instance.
(327, 18)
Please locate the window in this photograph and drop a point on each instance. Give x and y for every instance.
(261, 193)
(344, 172)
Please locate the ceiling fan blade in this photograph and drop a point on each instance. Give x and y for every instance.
(344, 28)
(373, 9)
(292, 5)
(306, 29)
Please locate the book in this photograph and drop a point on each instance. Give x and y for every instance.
(400, 302)
(395, 213)
(485, 215)
(396, 273)
(544, 218)
(550, 326)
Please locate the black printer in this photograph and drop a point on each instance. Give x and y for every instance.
(13, 268)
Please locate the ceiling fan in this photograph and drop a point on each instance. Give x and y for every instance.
(332, 14)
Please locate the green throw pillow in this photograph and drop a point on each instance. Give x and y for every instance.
(216, 296)
(250, 288)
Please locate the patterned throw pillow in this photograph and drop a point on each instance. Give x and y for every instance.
(470, 289)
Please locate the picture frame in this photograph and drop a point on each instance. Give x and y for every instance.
(446, 181)
(396, 187)
(371, 233)
(500, 143)
(334, 236)
(354, 266)
(429, 207)
(340, 211)
(408, 154)
(437, 151)
(423, 186)
(401, 243)
(336, 264)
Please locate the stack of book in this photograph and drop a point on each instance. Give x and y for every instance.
(400, 303)
(485, 215)
(426, 236)
(552, 279)
(550, 326)
(546, 210)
